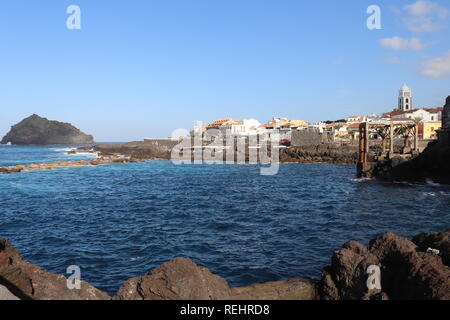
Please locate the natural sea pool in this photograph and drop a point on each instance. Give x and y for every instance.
(121, 220)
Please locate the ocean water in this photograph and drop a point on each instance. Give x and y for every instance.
(122, 220)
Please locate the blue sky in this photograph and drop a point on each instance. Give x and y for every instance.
(144, 68)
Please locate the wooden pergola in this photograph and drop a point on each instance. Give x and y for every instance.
(387, 130)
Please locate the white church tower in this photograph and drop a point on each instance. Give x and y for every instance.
(405, 98)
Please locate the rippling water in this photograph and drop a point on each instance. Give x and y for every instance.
(119, 221)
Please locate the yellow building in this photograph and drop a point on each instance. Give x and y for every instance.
(427, 130)
(295, 123)
(222, 122)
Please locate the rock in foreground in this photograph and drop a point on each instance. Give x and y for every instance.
(36, 130)
(407, 273)
(182, 279)
(435, 240)
(294, 289)
(179, 279)
(29, 282)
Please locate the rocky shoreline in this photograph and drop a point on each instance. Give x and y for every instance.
(409, 270)
(141, 151)
(323, 153)
(101, 160)
(431, 165)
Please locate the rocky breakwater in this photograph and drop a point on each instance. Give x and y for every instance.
(162, 149)
(136, 151)
(36, 130)
(102, 160)
(323, 153)
(417, 269)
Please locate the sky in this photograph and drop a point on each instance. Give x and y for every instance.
(140, 69)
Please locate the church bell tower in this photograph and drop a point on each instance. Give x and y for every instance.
(405, 98)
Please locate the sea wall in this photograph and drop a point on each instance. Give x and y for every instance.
(307, 138)
(322, 153)
(417, 269)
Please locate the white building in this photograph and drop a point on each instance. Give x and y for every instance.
(424, 115)
(405, 98)
(235, 127)
(320, 126)
(356, 119)
(251, 126)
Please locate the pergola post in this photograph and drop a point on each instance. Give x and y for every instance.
(384, 140)
(391, 136)
(416, 137)
(366, 145)
(361, 143)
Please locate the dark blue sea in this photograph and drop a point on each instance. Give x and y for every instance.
(121, 220)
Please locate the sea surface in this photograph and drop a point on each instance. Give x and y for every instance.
(122, 220)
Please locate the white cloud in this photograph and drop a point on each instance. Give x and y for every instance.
(398, 44)
(421, 8)
(421, 24)
(424, 16)
(437, 67)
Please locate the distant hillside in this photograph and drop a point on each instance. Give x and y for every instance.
(36, 130)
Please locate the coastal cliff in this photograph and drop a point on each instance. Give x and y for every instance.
(36, 130)
(414, 270)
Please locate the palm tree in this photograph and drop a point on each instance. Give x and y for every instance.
(417, 120)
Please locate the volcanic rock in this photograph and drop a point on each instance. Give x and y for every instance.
(346, 278)
(36, 130)
(29, 282)
(294, 289)
(435, 240)
(179, 279)
(325, 153)
(406, 273)
(431, 165)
